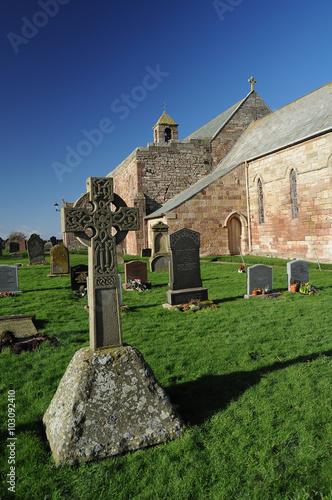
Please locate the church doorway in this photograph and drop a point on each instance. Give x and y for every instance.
(234, 235)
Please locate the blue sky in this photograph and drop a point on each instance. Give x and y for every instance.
(83, 83)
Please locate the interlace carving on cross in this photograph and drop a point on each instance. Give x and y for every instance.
(92, 214)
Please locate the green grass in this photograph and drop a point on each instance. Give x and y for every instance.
(252, 381)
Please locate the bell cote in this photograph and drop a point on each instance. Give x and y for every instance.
(165, 130)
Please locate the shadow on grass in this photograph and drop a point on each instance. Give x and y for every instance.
(198, 400)
(47, 289)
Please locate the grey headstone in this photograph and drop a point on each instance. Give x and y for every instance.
(259, 276)
(159, 263)
(298, 270)
(8, 279)
(36, 250)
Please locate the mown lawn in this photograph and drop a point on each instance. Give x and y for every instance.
(251, 378)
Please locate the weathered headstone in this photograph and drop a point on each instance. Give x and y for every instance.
(35, 247)
(8, 279)
(108, 401)
(159, 260)
(1, 246)
(21, 325)
(259, 276)
(22, 244)
(119, 253)
(78, 276)
(298, 270)
(185, 270)
(59, 260)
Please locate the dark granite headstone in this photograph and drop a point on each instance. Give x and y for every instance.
(185, 271)
(1, 245)
(259, 276)
(8, 279)
(53, 240)
(78, 276)
(146, 252)
(36, 250)
(14, 247)
(59, 260)
(298, 270)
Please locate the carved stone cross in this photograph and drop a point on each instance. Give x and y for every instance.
(91, 220)
(252, 81)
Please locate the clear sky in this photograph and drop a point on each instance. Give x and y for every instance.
(83, 82)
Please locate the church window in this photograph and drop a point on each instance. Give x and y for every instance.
(168, 134)
(260, 202)
(295, 208)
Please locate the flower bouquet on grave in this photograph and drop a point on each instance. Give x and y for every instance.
(241, 269)
(138, 285)
(307, 289)
(6, 294)
(82, 291)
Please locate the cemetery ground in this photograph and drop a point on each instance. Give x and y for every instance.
(251, 378)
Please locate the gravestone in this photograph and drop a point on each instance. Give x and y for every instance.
(1, 246)
(59, 261)
(108, 401)
(21, 325)
(13, 246)
(35, 247)
(22, 244)
(53, 240)
(119, 254)
(146, 252)
(78, 276)
(8, 279)
(185, 270)
(135, 270)
(159, 260)
(298, 270)
(259, 276)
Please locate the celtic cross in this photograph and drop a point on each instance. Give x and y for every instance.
(252, 81)
(91, 220)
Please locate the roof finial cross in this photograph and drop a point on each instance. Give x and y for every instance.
(165, 106)
(252, 81)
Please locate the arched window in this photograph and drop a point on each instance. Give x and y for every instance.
(260, 202)
(295, 208)
(168, 134)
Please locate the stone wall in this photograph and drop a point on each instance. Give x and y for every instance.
(253, 108)
(208, 212)
(282, 234)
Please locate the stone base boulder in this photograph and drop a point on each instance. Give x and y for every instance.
(108, 402)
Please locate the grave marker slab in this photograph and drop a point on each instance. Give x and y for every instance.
(1, 246)
(59, 260)
(259, 276)
(135, 270)
(108, 401)
(21, 325)
(8, 279)
(159, 260)
(78, 275)
(185, 270)
(298, 270)
(23, 246)
(13, 247)
(35, 247)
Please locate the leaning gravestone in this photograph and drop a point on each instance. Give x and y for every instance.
(185, 270)
(259, 276)
(78, 276)
(8, 279)
(108, 401)
(298, 270)
(59, 261)
(36, 250)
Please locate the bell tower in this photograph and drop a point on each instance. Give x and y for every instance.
(165, 130)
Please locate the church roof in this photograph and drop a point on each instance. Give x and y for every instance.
(300, 120)
(165, 119)
(211, 128)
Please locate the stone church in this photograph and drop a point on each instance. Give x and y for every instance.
(248, 180)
